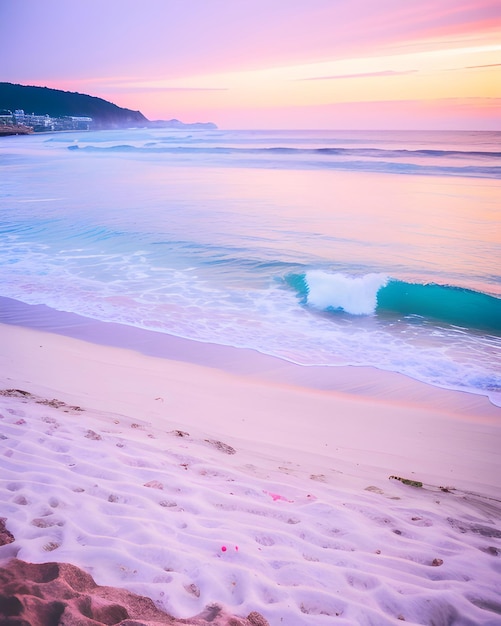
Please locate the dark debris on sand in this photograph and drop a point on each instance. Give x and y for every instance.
(56, 404)
(5, 535)
(49, 594)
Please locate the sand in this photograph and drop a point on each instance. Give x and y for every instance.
(193, 475)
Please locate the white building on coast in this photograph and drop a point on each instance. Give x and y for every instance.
(41, 123)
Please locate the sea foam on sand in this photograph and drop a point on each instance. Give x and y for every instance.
(191, 485)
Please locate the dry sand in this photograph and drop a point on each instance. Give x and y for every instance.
(140, 469)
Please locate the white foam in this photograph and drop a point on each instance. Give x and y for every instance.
(355, 295)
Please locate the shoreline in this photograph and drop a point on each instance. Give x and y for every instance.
(400, 426)
(362, 381)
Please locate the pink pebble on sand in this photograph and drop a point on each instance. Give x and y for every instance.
(277, 496)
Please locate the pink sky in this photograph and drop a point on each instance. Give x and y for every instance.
(268, 63)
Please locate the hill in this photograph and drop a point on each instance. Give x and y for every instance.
(57, 103)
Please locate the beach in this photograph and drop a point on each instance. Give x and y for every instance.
(250, 378)
(231, 481)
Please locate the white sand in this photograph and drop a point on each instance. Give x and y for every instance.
(323, 535)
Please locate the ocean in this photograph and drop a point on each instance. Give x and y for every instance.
(323, 248)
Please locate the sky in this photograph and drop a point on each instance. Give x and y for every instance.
(251, 64)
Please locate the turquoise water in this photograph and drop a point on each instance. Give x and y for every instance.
(329, 248)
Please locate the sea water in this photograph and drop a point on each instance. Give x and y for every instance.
(323, 248)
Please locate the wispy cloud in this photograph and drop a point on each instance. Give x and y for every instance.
(245, 63)
(470, 67)
(361, 75)
(159, 88)
(474, 67)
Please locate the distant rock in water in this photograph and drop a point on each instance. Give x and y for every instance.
(58, 104)
(177, 124)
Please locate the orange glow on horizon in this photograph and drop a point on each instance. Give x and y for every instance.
(436, 58)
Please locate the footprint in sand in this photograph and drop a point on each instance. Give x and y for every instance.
(219, 445)
(53, 423)
(265, 541)
(318, 477)
(46, 522)
(362, 583)
(93, 435)
(14, 486)
(493, 551)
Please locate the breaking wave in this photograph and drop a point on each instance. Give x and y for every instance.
(378, 294)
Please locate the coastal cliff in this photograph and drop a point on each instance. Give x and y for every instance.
(60, 104)
(57, 103)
